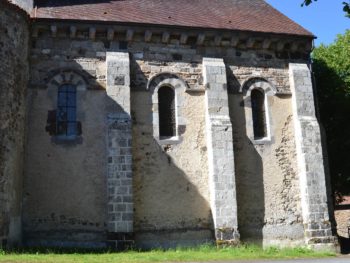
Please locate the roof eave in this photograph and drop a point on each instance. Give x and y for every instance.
(46, 19)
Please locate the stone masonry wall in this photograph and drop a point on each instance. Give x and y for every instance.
(222, 179)
(268, 196)
(170, 181)
(14, 39)
(152, 175)
(171, 199)
(65, 193)
(343, 223)
(310, 160)
(65, 187)
(119, 181)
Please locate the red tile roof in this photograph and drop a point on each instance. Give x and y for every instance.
(242, 15)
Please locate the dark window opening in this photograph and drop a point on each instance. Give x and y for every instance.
(259, 115)
(167, 120)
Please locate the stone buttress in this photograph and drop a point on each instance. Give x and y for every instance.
(220, 152)
(119, 180)
(318, 233)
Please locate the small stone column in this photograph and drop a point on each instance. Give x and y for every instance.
(220, 152)
(119, 177)
(317, 226)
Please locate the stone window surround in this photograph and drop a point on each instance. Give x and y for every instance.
(260, 83)
(59, 78)
(179, 85)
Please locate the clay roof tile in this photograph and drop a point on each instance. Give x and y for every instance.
(241, 15)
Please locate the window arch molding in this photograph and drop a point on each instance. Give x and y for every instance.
(166, 79)
(61, 77)
(258, 83)
(253, 109)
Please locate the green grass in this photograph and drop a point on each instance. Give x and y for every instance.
(202, 253)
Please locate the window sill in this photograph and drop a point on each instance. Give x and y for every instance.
(170, 140)
(259, 141)
(67, 140)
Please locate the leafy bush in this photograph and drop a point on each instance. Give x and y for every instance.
(331, 66)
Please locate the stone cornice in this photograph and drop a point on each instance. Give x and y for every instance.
(154, 34)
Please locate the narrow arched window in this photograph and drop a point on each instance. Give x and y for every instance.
(259, 115)
(167, 120)
(67, 111)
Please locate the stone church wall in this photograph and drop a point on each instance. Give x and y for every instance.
(65, 182)
(14, 32)
(65, 193)
(170, 181)
(267, 184)
(268, 192)
(176, 173)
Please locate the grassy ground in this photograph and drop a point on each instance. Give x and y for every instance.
(203, 253)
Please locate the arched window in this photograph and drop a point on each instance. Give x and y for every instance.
(62, 123)
(169, 122)
(255, 91)
(167, 119)
(67, 111)
(259, 115)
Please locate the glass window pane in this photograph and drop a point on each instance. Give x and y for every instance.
(62, 114)
(72, 128)
(71, 99)
(66, 110)
(70, 88)
(71, 114)
(62, 88)
(61, 100)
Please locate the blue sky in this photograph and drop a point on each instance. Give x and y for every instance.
(324, 18)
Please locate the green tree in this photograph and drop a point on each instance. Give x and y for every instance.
(331, 66)
(346, 7)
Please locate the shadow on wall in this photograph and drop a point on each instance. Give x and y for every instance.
(65, 190)
(60, 204)
(169, 209)
(248, 170)
(344, 244)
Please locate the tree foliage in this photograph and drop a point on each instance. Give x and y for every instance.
(331, 65)
(346, 7)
